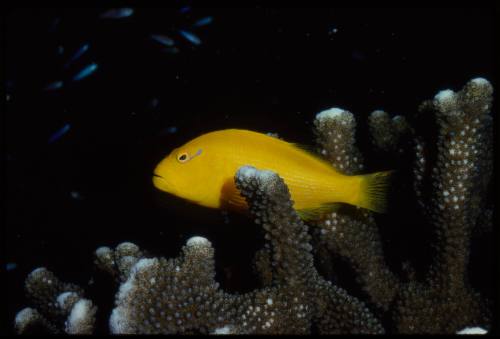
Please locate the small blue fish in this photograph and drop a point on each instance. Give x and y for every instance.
(85, 72)
(191, 37)
(163, 39)
(10, 266)
(203, 22)
(78, 54)
(60, 50)
(168, 130)
(54, 85)
(57, 135)
(117, 13)
(172, 129)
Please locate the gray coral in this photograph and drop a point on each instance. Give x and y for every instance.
(60, 307)
(446, 302)
(180, 295)
(386, 133)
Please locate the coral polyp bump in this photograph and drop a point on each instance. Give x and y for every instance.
(180, 295)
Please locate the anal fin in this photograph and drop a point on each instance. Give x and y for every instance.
(317, 213)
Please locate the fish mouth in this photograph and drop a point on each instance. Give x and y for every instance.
(161, 183)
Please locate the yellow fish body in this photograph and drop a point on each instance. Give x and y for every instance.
(203, 170)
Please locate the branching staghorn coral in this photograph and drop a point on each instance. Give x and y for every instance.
(386, 132)
(444, 303)
(61, 307)
(181, 295)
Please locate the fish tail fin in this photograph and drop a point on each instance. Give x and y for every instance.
(374, 190)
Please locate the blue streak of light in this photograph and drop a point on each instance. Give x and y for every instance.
(10, 266)
(78, 54)
(53, 86)
(57, 135)
(190, 37)
(204, 21)
(85, 72)
(117, 13)
(163, 39)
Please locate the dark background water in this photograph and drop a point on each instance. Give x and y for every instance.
(269, 70)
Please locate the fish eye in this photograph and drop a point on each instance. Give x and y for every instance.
(183, 157)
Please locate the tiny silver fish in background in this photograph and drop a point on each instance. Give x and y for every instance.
(84, 48)
(85, 72)
(117, 13)
(168, 130)
(57, 135)
(184, 9)
(171, 130)
(203, 22)
(54, 86)
(191, 37)
(333, 30)
(10, 266)
(163, 39)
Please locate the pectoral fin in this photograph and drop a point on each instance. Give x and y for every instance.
(231, 198)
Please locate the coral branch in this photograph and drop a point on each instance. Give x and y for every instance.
(386, 132)
(446, 303)
(353, 233)
(60, 306)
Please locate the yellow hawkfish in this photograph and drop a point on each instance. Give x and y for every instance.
(203, 170)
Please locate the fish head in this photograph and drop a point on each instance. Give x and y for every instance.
(183, 172)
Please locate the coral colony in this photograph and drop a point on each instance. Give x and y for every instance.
(180, 295)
